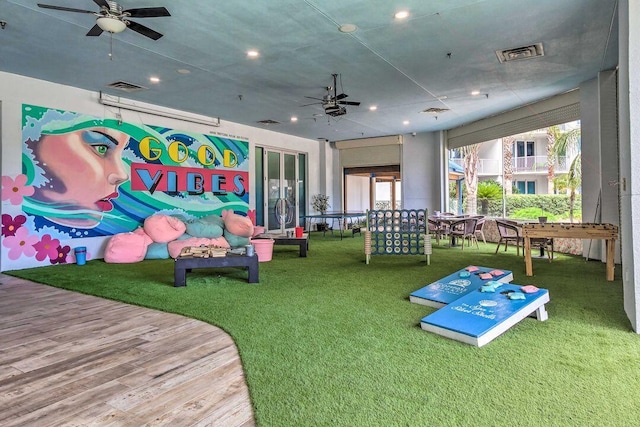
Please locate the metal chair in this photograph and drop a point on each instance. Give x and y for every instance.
(509, 233)
(465, 229)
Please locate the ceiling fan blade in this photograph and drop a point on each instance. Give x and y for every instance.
(348, 103)
(66, 9)
(311, 97)
(95, 31)
(102, 3)
(341, 96)
(313, 103)
(147, 12)
(145, 31)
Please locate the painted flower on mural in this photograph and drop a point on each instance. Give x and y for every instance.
(15, 189)
(11, 224)
(21, 243)
(47, 248)
(61, 257)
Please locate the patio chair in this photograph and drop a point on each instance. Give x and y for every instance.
(509, 234)
(437, 229)
(479, 227)
(544, 244)
(464, 229)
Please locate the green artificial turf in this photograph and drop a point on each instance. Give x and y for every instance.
(330, 341)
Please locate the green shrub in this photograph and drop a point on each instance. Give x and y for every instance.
(532, 213)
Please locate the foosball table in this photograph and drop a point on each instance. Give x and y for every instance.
(607, 232)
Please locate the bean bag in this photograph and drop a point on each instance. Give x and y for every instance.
(205, 228)
(140, 231)
(237, 224)
(157, 251)
(234, 240)
(164, 228)
(126, 248)
(220, 242)
(176, 246)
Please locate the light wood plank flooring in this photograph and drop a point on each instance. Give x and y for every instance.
(68, 359)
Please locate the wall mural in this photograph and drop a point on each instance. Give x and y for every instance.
(83, 176)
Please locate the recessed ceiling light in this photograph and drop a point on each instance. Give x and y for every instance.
(475, 93)
(184, 71)
(373, 108)
(253, 53)
(154, 79)
(294, 119)
(347, 28)
(402, 14)
(406, 122)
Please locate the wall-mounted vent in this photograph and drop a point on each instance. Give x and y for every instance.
(125, 87)
(435, 110)
(268, 122)
(523, 52)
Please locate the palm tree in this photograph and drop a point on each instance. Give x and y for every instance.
(558, 143)
(507, 163)
(566, 142)
(470, 160)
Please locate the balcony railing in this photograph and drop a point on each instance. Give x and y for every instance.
(531, 164)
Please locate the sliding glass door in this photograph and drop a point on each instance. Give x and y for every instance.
(283, 188)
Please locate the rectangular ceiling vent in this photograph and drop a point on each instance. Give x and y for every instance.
(434, 110)
(125, 87)
(523, 52)
(268, 122)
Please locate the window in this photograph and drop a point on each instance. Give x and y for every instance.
(525, 149)
(526, 187)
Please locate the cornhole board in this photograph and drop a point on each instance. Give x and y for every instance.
(448, 289)
(479, 317)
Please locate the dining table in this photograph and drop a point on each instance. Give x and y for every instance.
(444, 223)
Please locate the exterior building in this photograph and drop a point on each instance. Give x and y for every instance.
(529, 160)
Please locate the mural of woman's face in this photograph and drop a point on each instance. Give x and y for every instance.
(85, 169)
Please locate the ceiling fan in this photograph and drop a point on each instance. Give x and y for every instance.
(113, 19)
(333, 103)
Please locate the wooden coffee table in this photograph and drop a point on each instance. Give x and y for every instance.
(185, 264)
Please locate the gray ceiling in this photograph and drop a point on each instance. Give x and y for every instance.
(402, 67)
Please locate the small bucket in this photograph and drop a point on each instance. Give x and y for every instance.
(81, 255)
(263, 248)
(299, 232)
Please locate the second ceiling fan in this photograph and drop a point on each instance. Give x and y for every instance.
(333, 103)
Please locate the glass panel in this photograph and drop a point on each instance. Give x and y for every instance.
(520, 149)
(259, 183)
(521, 187)
(530, 148)
(531, 187)
(302, 185)
(273, 186)
(290, 189)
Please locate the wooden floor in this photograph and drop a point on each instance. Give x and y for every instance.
(76, 360)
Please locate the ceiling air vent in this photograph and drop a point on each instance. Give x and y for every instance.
(524, 52)
(434, 110)
(268, 122)
(125, 87)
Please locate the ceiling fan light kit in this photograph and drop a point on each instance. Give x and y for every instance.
(111, 25)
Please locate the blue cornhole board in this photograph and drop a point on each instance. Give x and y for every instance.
(448, 289)
(479, 317)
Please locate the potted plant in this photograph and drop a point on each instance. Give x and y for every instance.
(320, 203)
